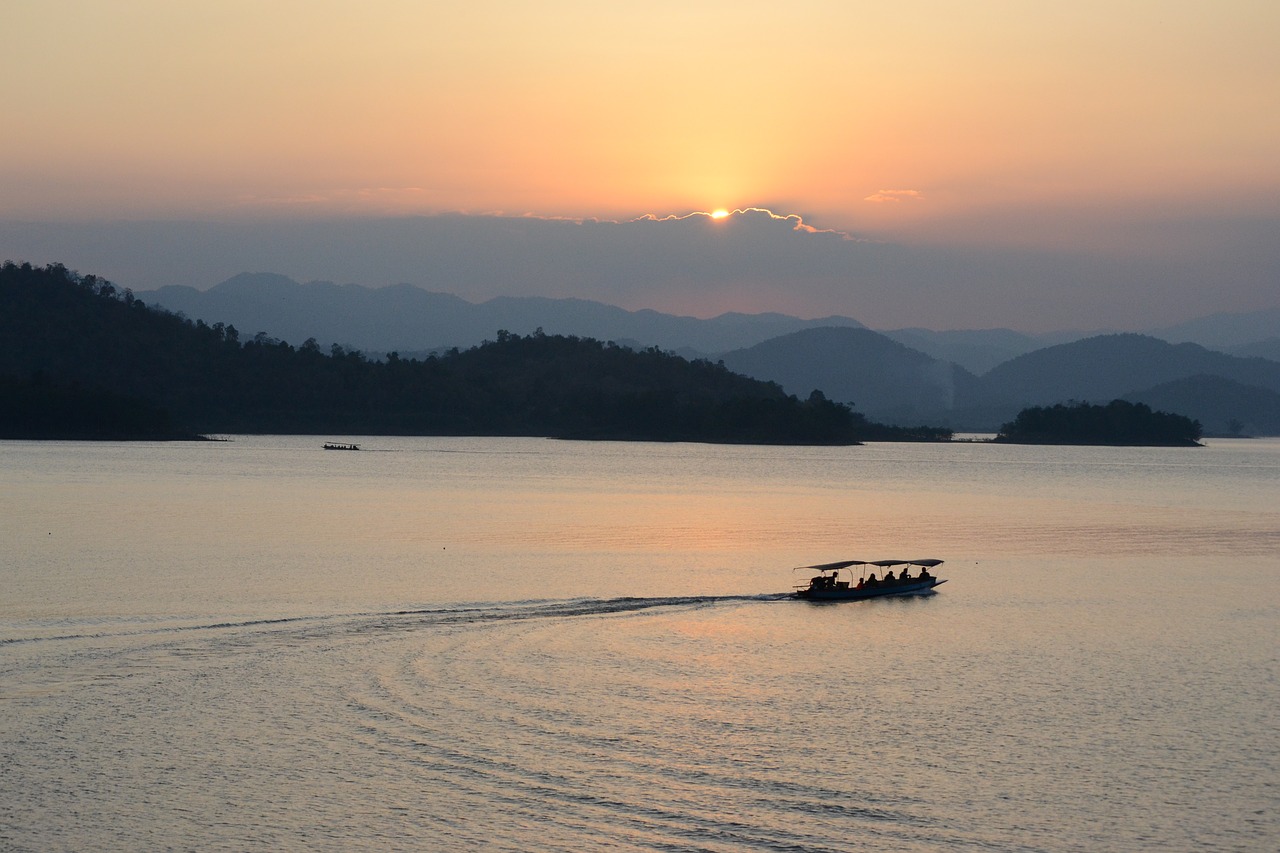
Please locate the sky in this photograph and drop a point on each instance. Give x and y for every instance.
(942, 164)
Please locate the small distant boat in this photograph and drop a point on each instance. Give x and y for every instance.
(836, 581)
(333, 445)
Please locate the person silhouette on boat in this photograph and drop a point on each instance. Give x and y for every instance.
(924, 573)
(889, 578)
(872, 580)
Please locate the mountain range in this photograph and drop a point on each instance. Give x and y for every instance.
(870, 370)
(896, 384)
(968, 379)
(80, 359)
(1138, 368)
(407, 319)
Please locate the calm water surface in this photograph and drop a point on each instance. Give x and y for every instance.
(518, 644)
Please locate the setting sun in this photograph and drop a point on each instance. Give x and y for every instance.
(719, 213)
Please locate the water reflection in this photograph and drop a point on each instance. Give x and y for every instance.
(546, 645)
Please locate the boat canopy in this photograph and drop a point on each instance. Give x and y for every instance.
(884, 564)
(832, 567)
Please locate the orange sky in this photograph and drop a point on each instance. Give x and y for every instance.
(987, 109)
(1096, 163)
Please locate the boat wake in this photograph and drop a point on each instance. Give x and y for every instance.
(446, 614)
(543, 609)
(642, 723)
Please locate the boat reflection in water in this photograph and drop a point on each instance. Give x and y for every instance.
(835, 581)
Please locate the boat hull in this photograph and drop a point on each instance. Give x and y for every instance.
(918, 587)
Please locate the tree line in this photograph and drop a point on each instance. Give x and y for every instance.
(1116, 423)
(80, 357)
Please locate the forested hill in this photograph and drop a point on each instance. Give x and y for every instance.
(79, 333)
(1117, 423)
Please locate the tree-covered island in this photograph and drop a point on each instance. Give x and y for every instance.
(1116, 423)
(80, 358)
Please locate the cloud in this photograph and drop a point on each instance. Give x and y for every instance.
(894, 196)
(753, 260)
(794, 220)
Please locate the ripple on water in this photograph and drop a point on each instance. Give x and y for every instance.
(687, 723)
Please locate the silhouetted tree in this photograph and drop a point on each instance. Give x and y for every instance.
(1117, 423)
(81, 332)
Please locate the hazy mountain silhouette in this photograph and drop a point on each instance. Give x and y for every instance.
(897, 384)
(976, 350)
(882, 378)
(904, 376)
(1227, 331)
(1269, 348)
(79, 358)
(1102, 368)
(1222, 406)
(406, 318)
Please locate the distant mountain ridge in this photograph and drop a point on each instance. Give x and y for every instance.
(81, 359)
(1269, 348)
(965, 379)
(1111, 366)
(407, 318)
(881, 377)
(896, 384)
(977, 350)
(1226, 331)
(1107, 367)
(1222, 406)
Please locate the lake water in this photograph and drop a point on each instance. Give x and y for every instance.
(522, 644)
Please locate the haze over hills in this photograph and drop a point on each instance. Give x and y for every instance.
(977, 350)
(1222, 407)
(1129, 366)
(868, 369)
(407, 319)
(896, 384)
(1252, 334)
(1111, 366)
(1269, 348)
(75, 352)
(1227, 331)
(965, 379)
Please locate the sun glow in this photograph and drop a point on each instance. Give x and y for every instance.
(719, 213)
